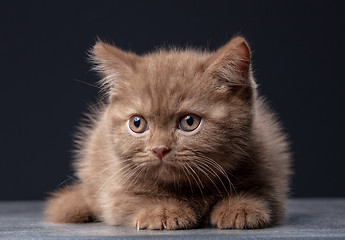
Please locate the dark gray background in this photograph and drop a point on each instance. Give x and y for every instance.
(298, 52)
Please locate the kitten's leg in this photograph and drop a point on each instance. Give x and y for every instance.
(67, 205)
(241, 212)
(149, 213)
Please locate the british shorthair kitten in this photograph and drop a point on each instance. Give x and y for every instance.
(182, 141)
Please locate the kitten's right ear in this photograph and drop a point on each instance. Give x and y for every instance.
(112, 63)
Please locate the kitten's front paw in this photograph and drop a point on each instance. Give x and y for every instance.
(171, 214)
(240, 213)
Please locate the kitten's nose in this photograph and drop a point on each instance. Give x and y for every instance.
(160, 151)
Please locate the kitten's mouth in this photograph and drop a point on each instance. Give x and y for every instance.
(161, 162)
(164, 165)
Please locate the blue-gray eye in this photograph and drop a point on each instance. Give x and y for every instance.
(137, 124)
(189, 122)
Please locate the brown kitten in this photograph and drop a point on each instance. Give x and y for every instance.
(182, 142)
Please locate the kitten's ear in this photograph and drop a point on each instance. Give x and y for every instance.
(230, 65)
(112, 63)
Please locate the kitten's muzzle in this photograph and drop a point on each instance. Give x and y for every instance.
(160, 151)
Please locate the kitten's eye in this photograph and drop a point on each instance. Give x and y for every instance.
(137, 124)
(189, 122)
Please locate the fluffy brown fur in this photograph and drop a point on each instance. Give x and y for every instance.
(230, 172)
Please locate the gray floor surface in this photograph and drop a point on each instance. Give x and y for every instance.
(307, 219)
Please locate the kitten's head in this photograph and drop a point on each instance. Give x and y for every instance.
(178, 115)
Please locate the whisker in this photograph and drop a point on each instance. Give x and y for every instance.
(213, 163)
(186, 174)
(129, 174)
(196, 181)
(211, 171)
(95, 175)
(110, 178)
(112, 165)
(195, 175)
(212, 168)
(224, 173)
(63, 182)
(123, 175)
(100, 188)
(90, 84)
(136, 178)
(214, 184)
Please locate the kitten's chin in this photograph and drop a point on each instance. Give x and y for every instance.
(163, 170)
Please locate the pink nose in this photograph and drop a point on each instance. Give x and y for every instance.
(160, 151)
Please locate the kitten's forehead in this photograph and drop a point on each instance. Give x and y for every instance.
(167, 66)
(167, 84)
(168, 79)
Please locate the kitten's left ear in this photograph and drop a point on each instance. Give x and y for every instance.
(230, 65)
(112, 63)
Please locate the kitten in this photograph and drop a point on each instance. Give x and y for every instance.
(183, 141)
